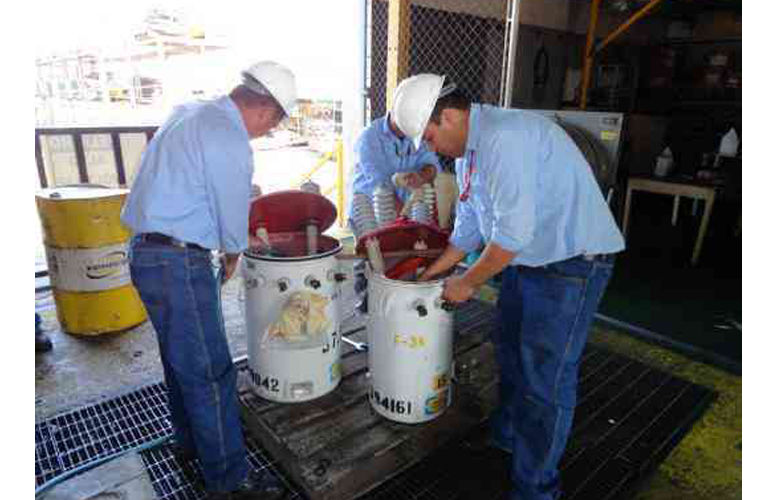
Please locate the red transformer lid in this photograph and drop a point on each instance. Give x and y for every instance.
(402, 235)
(290, 211)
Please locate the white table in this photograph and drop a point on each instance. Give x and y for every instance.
(697, 191)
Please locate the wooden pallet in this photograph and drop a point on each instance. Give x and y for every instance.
(337, 447)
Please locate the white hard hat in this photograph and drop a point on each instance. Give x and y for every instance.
(413, 103)
(277, 79)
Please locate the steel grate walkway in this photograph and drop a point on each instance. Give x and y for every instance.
(629, 417)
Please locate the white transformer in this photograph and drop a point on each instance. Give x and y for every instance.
(410, 349)
(292, 296)
(410, 331)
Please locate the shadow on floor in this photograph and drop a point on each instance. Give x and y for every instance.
(655, 288)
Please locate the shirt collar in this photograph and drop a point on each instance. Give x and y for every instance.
(387, 130)
(386, 125)
(401, 142)
(234, 113)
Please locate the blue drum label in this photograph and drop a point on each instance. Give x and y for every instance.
(437, 403)
(335, 371)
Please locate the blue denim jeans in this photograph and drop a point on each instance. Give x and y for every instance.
(544, 314)
(179, 290)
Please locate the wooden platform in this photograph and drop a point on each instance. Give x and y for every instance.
(337, 447)
(628, 419)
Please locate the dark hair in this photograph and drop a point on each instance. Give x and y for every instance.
(250, 99)
(456, 99)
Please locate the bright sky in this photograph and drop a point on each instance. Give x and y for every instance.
(316, 39)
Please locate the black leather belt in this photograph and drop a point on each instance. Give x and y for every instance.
(162, 239)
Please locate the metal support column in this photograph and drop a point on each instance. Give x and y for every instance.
(588, 57)
(513, 11)
(398, 45)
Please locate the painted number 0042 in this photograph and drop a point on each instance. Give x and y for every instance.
(268, 383)
(392, 405)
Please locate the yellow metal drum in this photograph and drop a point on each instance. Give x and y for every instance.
(87, 251)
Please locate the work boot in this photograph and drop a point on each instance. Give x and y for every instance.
(262, 485)
(42, 342)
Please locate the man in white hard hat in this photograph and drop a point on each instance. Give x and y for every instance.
(382, 150)
(191, 196)
(528, 194)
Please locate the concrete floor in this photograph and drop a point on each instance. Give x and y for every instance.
(705, 465)
(82, 370)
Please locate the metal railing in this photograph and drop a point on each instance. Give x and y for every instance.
(84, 176)
(77, 135)
(336, 157)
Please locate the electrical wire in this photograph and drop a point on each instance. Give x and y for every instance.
(85, 467)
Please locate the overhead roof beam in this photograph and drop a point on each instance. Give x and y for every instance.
(624, 27)
(590, 51)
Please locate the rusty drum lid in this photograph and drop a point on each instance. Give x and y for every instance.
(290, 211)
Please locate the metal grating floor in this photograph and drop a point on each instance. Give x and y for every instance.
(629, 417)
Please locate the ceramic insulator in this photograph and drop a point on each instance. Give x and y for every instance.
(363, 214)
(385, 205)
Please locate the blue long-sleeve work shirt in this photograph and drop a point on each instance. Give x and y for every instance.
(380, 154)
(525, 186)
(194, 179)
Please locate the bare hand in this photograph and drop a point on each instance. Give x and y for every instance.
(228, 263)
(414, 180)
(424, 276)
(455, 290)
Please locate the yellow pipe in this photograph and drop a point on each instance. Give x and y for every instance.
(321, 162)
(623, 27)
(588, 57)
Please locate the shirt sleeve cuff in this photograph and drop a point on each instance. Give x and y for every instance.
(506, 242)
(466, 244)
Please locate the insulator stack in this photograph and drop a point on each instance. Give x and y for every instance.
(363, 214)
(310, 187)
(385, 205)
(429, 200)
(420, 212)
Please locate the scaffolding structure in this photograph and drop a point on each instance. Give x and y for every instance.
(73, 86)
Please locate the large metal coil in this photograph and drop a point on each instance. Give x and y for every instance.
(598, 161)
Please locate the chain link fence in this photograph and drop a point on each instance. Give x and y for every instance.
(467, 44)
